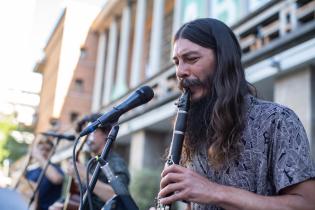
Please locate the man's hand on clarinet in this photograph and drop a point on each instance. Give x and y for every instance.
(179, 183)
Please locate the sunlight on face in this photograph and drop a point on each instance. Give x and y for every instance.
(193, 62)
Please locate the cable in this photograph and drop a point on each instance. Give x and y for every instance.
(76, 170)
(88, 190)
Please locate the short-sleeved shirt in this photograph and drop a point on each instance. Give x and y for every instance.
(275, 154)
(48, 192)
(119, 168)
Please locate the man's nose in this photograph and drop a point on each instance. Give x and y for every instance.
(182, 70)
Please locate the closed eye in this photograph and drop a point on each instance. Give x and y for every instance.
(189, 60)
(192, 59)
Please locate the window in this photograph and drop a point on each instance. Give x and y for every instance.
(79, 85)
(54, 123)
(73, 116)
(83, 52)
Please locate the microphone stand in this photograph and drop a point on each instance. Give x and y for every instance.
(122, 200)
(16, 185)
(110, 140)
(42, 174)
(119, 188)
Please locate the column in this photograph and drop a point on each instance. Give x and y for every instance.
(283, 22)
(138, 43)
(156, 38)
(176, 21)
(293, 18)
(146, 150)
(294, 90)
(98, 78)
(110, 65)
(312, 137)
(176, 16)
(136, 152)
(121, 79)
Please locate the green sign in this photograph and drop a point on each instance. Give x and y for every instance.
(192, 9)
(228, 11)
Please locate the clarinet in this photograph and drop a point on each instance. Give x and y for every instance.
(175, 151)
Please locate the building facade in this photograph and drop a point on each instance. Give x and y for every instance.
(128, 44)
(134, 49)
(68, 70)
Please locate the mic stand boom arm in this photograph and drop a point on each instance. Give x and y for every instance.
(110, 140)
(119, 188)
(42, 174)
(122, 199)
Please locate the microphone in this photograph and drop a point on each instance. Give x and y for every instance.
(139, 97)
(59, 136)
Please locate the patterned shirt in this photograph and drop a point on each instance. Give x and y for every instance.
(276, 153)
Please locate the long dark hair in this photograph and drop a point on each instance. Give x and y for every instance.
(226, 119)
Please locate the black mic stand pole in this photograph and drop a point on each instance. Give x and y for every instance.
(42, 174)
(122, 199)
(110, 140)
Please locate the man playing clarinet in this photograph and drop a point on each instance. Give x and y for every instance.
(239, 152)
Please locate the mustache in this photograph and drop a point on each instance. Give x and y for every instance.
(187, 83)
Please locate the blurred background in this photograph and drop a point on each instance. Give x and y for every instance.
(64, 59)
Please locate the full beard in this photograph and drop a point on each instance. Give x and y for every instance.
(199, 129)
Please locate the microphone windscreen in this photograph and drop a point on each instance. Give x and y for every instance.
(146, 93)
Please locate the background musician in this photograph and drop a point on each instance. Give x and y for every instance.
(240, 152)
(51, 185)
(102, 191)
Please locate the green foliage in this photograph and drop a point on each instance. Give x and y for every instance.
(9, 147)
(145, 187)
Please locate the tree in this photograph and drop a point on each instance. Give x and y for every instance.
(10, 148)
(144, 187)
